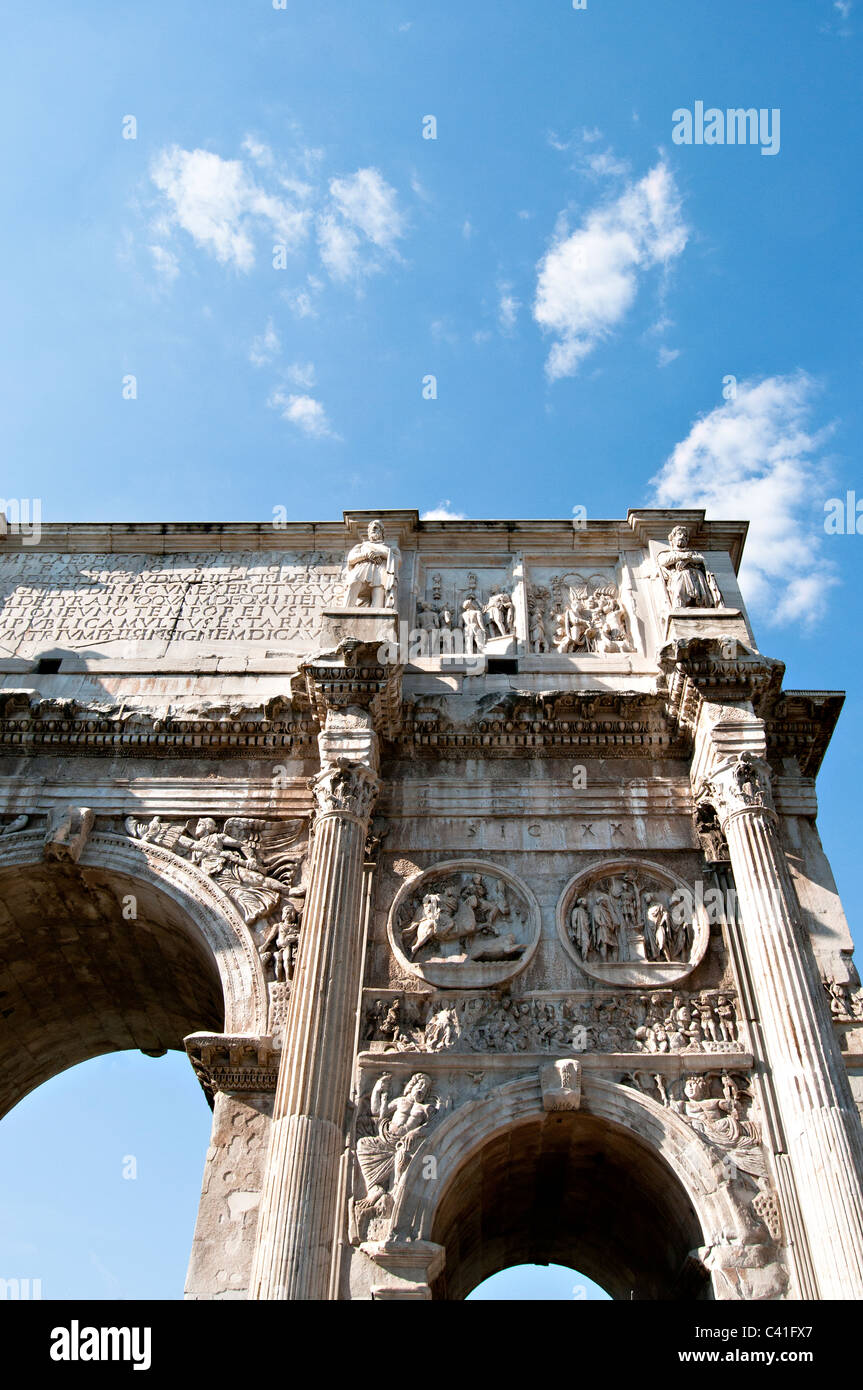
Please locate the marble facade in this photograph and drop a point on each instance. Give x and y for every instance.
(474, 865)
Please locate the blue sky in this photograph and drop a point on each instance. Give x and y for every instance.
(581, 287)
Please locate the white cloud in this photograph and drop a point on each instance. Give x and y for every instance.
(306, 413)
(265, 347)
(166, 263)
(301, 374)
(443, 512)
(508, 308)
(339, 247)
(259, 152)
(589, 278)
(590, 137)
(219, 204)
(607, 165)
(362, 214)
(301, 303)
(667, 356)
(467, 229)
(844, 7)
(756, 456)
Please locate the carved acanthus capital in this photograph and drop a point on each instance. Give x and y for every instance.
(345, 788)
(740, 784)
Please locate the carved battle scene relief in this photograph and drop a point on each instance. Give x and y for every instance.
(464, 923)
(657, 1024)
(90, 599)
(573, 613)
(629, 924)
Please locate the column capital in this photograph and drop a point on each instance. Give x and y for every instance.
(346, 789)
(740, 785)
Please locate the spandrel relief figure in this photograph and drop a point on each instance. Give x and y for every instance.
(720, 1119)
(279, 945)
(254, 862)
(399, 1122)
(688, 582)
(373, 571)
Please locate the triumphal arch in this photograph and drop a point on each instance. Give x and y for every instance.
(475, 866)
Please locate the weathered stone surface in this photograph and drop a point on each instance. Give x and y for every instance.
(476, 867)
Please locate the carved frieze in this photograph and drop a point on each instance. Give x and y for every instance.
(631, 923)
(464, 923)
(657, 1023)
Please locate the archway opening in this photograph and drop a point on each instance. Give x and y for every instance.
(100, 1177)
(538, 1283)
(94, 961)
(576, 1190)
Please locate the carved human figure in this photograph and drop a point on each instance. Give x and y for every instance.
(718, 1120)
(373, 571)
(538, 633)
(234, 866)
(685, 574)
(427, 616)
(582, 928)
(384, 1155)
(605, 928)
(747, 781)
(501, 614)
(280, 943)
(574, 625)
(475, 635)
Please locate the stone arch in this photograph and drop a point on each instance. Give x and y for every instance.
(77, 978)
(643, 1152)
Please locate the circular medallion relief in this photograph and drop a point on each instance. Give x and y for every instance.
(632, 923)
(464, 924)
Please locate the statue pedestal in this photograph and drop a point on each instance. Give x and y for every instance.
(501, 646)
(367, 625)
(728, 624)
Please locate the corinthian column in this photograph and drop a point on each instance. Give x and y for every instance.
(820, 1124)
(300, 1200)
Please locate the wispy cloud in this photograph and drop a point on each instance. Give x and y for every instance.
(589, 278)
(758, 456)
(265, 347)
(221, 206)
(667, 355)
(304, 412)
(442, 512)
(508, 307)
(363, 213)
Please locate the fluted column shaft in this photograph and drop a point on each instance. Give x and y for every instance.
(300, 1199)
(822, 1129)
